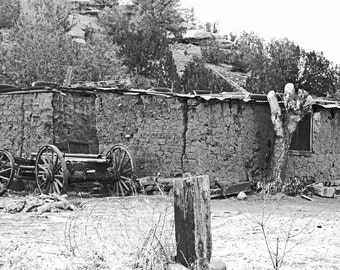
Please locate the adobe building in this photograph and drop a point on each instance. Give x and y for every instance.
(30, 118)
(227, 136)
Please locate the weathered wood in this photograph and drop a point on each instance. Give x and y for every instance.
(297, 103)
(236, 188)
(193, 221)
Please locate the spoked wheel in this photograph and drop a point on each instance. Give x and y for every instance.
(122, 170)
(7, 169)
(50, 170)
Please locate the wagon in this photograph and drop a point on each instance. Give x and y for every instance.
(54, 170)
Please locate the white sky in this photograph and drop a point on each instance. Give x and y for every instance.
(313, 24)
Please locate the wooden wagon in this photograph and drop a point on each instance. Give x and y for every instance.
(54, 170)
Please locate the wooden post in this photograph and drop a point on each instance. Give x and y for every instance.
(193, 221)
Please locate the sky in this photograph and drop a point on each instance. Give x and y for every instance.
(313, 24)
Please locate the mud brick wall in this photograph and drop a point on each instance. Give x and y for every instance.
(74, 120)
(227, 140)
(26, 122)
(170, 135)
(151, 126)
(323, 162)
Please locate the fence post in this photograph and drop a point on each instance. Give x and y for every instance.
(193, 221)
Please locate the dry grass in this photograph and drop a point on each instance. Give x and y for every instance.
(137, 232)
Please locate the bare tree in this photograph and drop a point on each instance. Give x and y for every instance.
(296, 104)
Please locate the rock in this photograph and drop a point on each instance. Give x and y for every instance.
(149, 188)
(320, 190)
(217, 265)
(145, 181)
(241, 196)
(176, 266)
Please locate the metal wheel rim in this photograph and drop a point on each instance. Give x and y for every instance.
(123, 168)
(50, 170)
(7, 169)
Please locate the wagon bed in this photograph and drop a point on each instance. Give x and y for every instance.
(54, 170)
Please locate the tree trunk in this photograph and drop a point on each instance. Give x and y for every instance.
(296, 105)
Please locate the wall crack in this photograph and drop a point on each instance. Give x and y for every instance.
(184, 133)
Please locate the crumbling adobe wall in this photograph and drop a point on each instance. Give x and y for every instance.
(151, 126)
(26, 122)
(74, 120)
(228, 140)
(170, 135)
(322, 163)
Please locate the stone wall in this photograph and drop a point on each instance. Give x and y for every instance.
(171, 136)
(29, 121)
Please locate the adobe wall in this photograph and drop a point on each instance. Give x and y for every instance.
(29, 121)
(26, 122)
(227, 140)
(323, 163)
(151, 126)
(171, 136)
(74, 119)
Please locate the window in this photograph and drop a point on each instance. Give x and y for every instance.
(302, 138)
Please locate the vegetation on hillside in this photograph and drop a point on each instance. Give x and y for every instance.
(134, 41)
(272, 65)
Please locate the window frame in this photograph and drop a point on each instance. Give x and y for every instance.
(305, 152)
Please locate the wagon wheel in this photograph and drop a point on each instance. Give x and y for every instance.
(50, 170)
(122, 170)
(7, 169)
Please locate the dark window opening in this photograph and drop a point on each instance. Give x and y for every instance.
(302, 140)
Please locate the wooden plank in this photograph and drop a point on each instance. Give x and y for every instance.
(193, 221)
(236, 189)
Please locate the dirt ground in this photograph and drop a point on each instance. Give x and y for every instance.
(109, 232)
